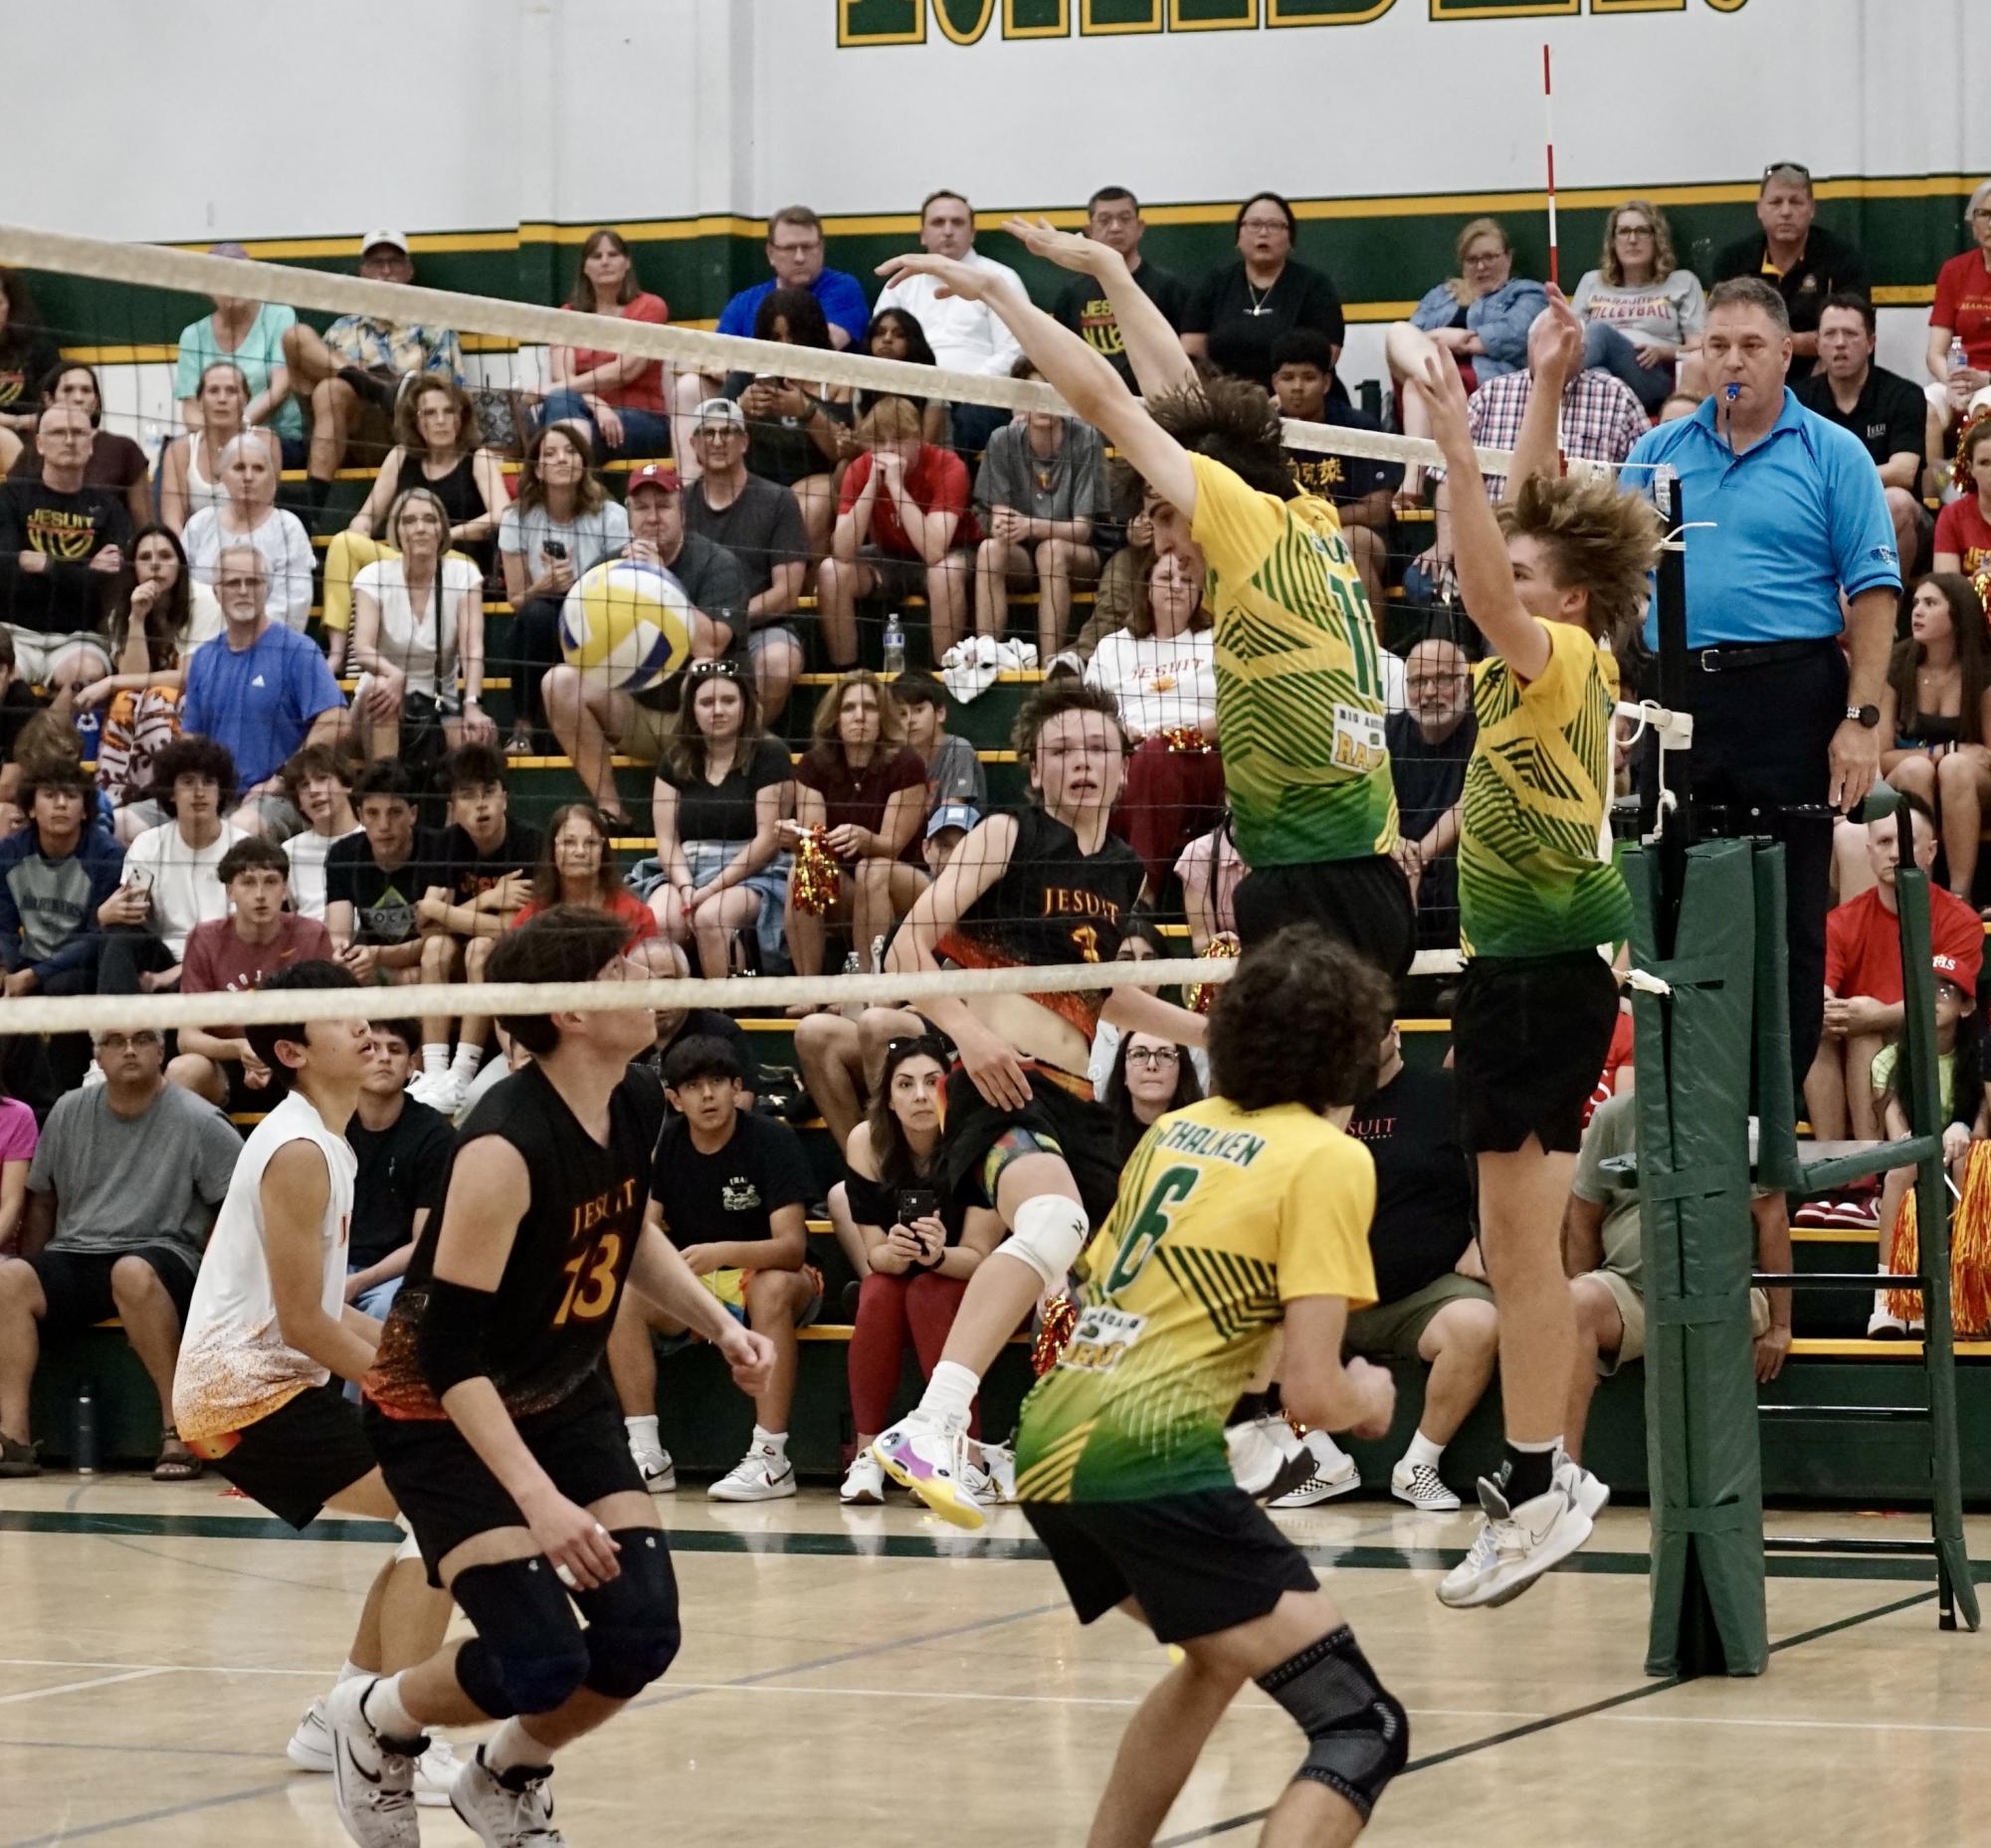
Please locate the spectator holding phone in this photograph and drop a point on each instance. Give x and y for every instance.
(921, 1244)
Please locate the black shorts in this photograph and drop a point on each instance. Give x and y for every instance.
(295, 1459)
(76, 1283)
(450, 1496)
(1364, 903)
(1078, 1128)
(1529, 1036)
(1194, 1563)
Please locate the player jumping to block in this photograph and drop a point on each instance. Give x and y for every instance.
(1554, 578)
(495, 1421)
(1300, 673)
(1023, 1132)
(1236, 1214)
(268, 1327)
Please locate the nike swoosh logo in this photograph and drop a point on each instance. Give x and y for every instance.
(372, 1777)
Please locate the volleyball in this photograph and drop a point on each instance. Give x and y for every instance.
(627, 623)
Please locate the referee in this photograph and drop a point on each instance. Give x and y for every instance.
(1791, 595)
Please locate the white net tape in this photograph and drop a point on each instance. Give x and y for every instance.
(91, 1013)
(155, 267)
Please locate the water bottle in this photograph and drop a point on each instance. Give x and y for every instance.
(1959, 359)
(895, 646)
(85, 1430)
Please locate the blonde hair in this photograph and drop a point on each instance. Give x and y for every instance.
(891, 420)
(402, 502)
(1664, 262)
(1597, 539)
(824, 743)
(1473, 229)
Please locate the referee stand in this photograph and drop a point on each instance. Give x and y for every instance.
(1711, 1021)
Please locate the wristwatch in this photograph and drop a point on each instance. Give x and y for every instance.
(1868, 715)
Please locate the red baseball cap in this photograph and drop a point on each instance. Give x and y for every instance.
(653, 475)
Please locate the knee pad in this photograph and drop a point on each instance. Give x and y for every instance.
(1048, 1234)
(631, 1635)
(1357, 1734)
(527, 1655)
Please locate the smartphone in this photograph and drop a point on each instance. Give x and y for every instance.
(917, 1203)
(554, 549)
(139, 879)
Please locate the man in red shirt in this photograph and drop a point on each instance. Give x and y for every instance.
(1863, 978)
(235, 953)
(903, 518)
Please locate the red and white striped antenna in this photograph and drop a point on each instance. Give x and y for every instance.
(1548, 136)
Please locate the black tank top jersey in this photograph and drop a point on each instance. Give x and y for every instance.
(555, 1304)
(1053, 904)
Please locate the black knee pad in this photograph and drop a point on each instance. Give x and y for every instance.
(631, 1635)
(1357, 1734)
(527, 1655)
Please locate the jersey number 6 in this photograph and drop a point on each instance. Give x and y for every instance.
(1149, 1224)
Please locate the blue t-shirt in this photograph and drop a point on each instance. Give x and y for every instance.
(841, 299)
(260, 701)
(1796, 519)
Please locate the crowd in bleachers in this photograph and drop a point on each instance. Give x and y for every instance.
(244, 726)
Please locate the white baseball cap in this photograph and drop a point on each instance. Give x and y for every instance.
(398, 238)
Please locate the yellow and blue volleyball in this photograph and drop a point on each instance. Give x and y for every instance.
(626, 624)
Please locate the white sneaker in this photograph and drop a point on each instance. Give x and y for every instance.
(764, 1474)
(372, 1782)
(931, 1459)
(1514, 1546)
(1257, 1456)
(512, 1812)
(1590, 1492)
(310, 1749)
(1884, 1324)
(440, 1091)
(660, 1474)
(999, 1469)
(864, 1482)
(1423, 1488)
(1330, 1472)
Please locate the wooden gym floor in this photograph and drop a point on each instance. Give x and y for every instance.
(159, 1642)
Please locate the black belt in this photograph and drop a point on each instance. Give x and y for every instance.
(1728, 657)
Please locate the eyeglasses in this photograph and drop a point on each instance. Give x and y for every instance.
(1777, 168)
(1152, 1055)
(1474, 257)
(1434, 683)
(122, 1042)
(1635, 231)
(1261, 224)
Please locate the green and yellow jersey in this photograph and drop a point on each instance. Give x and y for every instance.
(1535, 875)
(1225, 1216)
(1299, 688)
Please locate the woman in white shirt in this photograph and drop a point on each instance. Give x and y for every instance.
(190, 466)
(416, 618)
(1162, 668)
(250, 515)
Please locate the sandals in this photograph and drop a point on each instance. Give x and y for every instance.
(176, 1462)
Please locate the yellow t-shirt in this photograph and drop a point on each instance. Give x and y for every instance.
(1225, 1215)
(1300, 689)
(1535, 875)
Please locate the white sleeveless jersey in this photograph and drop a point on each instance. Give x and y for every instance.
(235, 1368)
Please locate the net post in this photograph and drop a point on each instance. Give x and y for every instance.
(1676, 829)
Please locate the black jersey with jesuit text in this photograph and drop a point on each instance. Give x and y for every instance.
(555, 1304)
(1053, 903)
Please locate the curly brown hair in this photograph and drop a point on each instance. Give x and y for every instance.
(1596, 537)
(1230, 420)
(408, 416)
(1299, 1023)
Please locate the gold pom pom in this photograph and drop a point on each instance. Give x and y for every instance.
(1060, 1316)
(1962, 474)
(1203, 994)
(1184, 738)
(816, 881)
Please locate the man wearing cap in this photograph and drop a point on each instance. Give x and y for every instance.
(1863, 977)
(362, 361)
(249, 335)
(592, 720)
(760, 524)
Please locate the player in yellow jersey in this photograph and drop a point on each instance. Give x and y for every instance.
(1238, 1215)
(1300, 689)
(1550, 580)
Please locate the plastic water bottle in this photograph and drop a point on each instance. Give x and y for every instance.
(86, 1431)
(1959, 360)
(894, 645)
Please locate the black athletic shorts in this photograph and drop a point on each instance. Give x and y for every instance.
(76, 1283)
(1061, 1113)
(295, 1459)
(1364, 903)
(450, 1496)
(1194, 1563)
(1529, 1036)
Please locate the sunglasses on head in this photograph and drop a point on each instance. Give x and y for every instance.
(1798, 167)
(924, 1043)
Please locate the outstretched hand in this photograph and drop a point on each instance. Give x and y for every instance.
(1555, 338)
(954, 277)
(1066, 249)
(1434, 379)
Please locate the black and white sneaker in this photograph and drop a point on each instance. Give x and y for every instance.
(515, 1810)
(1515, 1546)
(1329, 1472)
(373, 1777)
(1423, 1488)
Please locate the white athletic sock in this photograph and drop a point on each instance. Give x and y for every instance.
(643, 1433)
(951, 1392)
(1423, 1450)
(466, 1061)
(436, 1059)
(511, 1746)
(776, 1441)
(383, 1711)
(351, 1671)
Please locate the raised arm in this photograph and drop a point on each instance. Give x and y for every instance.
(1555, 356)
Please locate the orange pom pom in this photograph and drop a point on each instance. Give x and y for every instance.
(1060, 1316)
(1201, 996)
(816, 881)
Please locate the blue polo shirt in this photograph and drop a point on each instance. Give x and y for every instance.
(838, 295)
(1797, 519)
